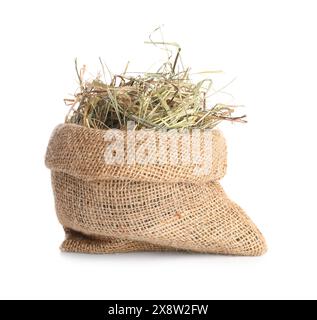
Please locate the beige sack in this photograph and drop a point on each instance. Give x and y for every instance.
(108, 208)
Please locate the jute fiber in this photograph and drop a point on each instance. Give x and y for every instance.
(108, 207)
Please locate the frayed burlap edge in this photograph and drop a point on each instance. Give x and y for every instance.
(80, 243)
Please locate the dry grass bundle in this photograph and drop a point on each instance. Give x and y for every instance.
(166, 99)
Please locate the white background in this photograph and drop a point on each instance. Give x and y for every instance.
(270, 46)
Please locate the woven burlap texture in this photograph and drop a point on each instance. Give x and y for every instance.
(121, 208)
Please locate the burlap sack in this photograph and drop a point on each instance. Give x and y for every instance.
(107, 208)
